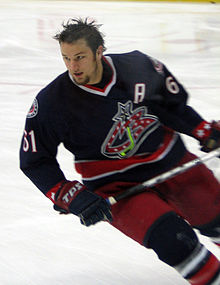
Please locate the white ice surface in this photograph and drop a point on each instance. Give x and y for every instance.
(37, 246)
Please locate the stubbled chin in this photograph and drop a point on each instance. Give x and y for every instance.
(82, 81)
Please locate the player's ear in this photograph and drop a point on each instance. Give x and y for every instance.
(99, 52)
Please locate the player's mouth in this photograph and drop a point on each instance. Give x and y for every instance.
(78, 74)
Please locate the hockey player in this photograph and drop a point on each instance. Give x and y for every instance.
(121, 115)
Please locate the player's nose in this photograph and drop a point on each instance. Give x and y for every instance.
(73, 66)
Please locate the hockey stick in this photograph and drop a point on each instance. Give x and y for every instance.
(162, 177)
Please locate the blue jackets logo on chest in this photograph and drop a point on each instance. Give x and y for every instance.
(130, 129)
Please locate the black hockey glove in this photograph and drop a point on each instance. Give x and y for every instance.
(212, 141)
(73, 197)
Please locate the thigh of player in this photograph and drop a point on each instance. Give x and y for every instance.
(135, 215)
(195, 194)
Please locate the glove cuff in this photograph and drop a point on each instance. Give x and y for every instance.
(51, 194)
(202, 131)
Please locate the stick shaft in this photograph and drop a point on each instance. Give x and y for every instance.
(162, 177)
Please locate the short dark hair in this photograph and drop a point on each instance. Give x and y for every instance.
(76, 29)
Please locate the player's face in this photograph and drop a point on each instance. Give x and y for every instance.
(83, 65)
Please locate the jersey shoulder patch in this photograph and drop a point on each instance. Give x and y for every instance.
(33, 111)
(158, 66)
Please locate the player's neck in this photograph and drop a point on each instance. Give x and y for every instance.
(106, 75)
(98, 74)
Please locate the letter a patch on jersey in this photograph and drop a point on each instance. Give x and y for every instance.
(130, 129)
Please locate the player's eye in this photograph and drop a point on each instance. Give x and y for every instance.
(80, 57)
(66, 58)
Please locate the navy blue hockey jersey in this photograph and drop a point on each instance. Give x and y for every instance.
(125, 130)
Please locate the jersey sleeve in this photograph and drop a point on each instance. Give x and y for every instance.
(38, 149)
(172, 108)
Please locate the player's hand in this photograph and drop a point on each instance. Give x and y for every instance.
(73, 197)
(212, 141)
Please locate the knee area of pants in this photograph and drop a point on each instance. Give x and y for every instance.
(172, 239)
